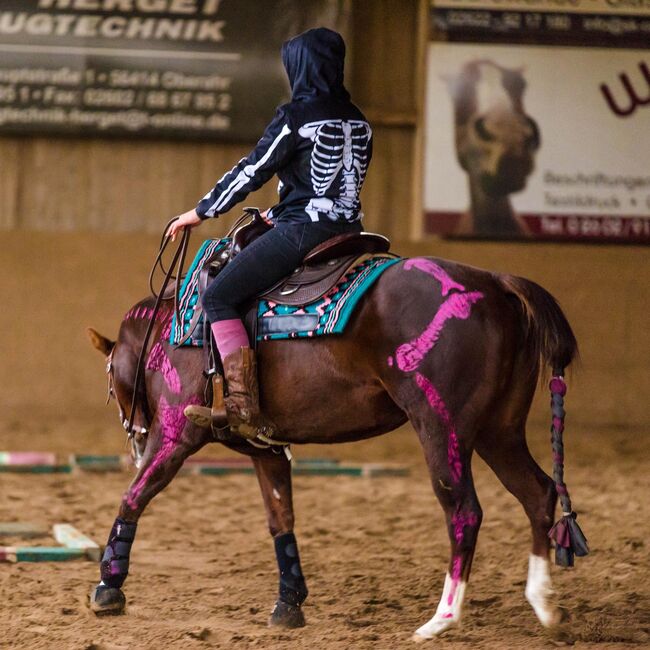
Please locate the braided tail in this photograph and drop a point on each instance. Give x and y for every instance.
(569, 539)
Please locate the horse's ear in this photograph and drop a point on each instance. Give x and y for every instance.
(100, 342)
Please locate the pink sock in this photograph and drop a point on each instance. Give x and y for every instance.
(230, 335)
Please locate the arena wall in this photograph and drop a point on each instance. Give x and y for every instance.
(79, 224)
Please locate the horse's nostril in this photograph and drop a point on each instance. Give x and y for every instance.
(534, 139)
(482, 131)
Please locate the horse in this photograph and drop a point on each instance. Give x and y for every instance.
(496, 142)
(455, 350)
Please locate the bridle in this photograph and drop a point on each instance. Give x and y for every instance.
(135, 429)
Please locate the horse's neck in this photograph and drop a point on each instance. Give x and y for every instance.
(490, 214)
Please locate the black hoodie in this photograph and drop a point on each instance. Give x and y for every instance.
(319, 144)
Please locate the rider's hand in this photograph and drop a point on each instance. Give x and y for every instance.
(188, 219)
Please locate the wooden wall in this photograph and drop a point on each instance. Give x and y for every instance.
(73, 184)
(67, 281)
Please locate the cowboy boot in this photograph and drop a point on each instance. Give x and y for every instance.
(241, 410)
(242, 401)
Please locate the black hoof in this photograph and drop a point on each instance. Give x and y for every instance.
(106, 601)
(285, 615)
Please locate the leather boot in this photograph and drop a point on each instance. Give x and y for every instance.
(243, 400)
(240, 410)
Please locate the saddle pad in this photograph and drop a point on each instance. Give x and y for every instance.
(329, 314)
(189, 293)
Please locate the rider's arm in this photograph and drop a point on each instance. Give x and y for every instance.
(271, 153)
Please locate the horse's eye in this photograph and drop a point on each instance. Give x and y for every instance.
(482, 131)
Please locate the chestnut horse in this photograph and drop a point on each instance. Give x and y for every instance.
(454, 349)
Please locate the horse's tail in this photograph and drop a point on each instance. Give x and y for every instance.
(550, 340)
(549, 335)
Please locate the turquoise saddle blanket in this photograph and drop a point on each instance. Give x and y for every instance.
(329, 314)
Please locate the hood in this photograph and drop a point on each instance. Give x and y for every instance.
(314, 64)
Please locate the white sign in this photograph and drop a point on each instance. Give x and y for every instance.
(537, 141)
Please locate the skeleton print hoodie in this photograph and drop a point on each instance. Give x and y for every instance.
(319, 144)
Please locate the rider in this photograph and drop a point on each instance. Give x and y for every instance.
(319, 144)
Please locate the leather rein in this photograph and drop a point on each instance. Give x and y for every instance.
(175, 272)
(176, 266)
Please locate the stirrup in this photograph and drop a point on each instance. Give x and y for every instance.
(217, 418)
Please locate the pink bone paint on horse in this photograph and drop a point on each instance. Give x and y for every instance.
(502, 327)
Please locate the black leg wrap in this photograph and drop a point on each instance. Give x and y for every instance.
(293, 589)
(114, 566)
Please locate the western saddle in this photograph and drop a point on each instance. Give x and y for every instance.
(322, 267)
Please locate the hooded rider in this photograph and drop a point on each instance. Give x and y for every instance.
(319, 145)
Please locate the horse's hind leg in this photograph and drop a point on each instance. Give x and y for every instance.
(448, 455)
(274, 476)
(506, 452)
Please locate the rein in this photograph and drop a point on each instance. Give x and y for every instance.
(176, 265)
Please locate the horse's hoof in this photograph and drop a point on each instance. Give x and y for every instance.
(562, 630)
(107, 601)
(437, 626)
(285, 615)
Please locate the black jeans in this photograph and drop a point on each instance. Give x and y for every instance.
(265, 262)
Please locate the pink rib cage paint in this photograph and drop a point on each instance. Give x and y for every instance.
(458, 305)
(429, 266)
(172, 422)
(158, 360)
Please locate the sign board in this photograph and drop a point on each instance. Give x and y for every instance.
(525, 141)
(602, 23)
(171, 68)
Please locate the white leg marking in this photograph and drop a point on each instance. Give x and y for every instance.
(448, 613)
(539, 592)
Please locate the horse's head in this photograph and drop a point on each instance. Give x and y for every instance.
(495, 138)
(121, 360)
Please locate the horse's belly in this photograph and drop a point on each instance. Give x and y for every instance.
(326, 406)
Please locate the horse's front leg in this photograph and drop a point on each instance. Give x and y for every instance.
(171, 440)
(274, 476)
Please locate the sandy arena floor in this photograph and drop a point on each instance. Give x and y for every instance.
(374, 552)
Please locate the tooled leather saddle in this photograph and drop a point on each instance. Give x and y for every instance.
(321, 269)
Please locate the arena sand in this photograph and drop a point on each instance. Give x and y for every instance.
(374, 552)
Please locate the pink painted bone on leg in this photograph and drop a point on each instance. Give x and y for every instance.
(458, 305)
(459, 521)
(440, 409)
(429, 266)
(172, 422)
